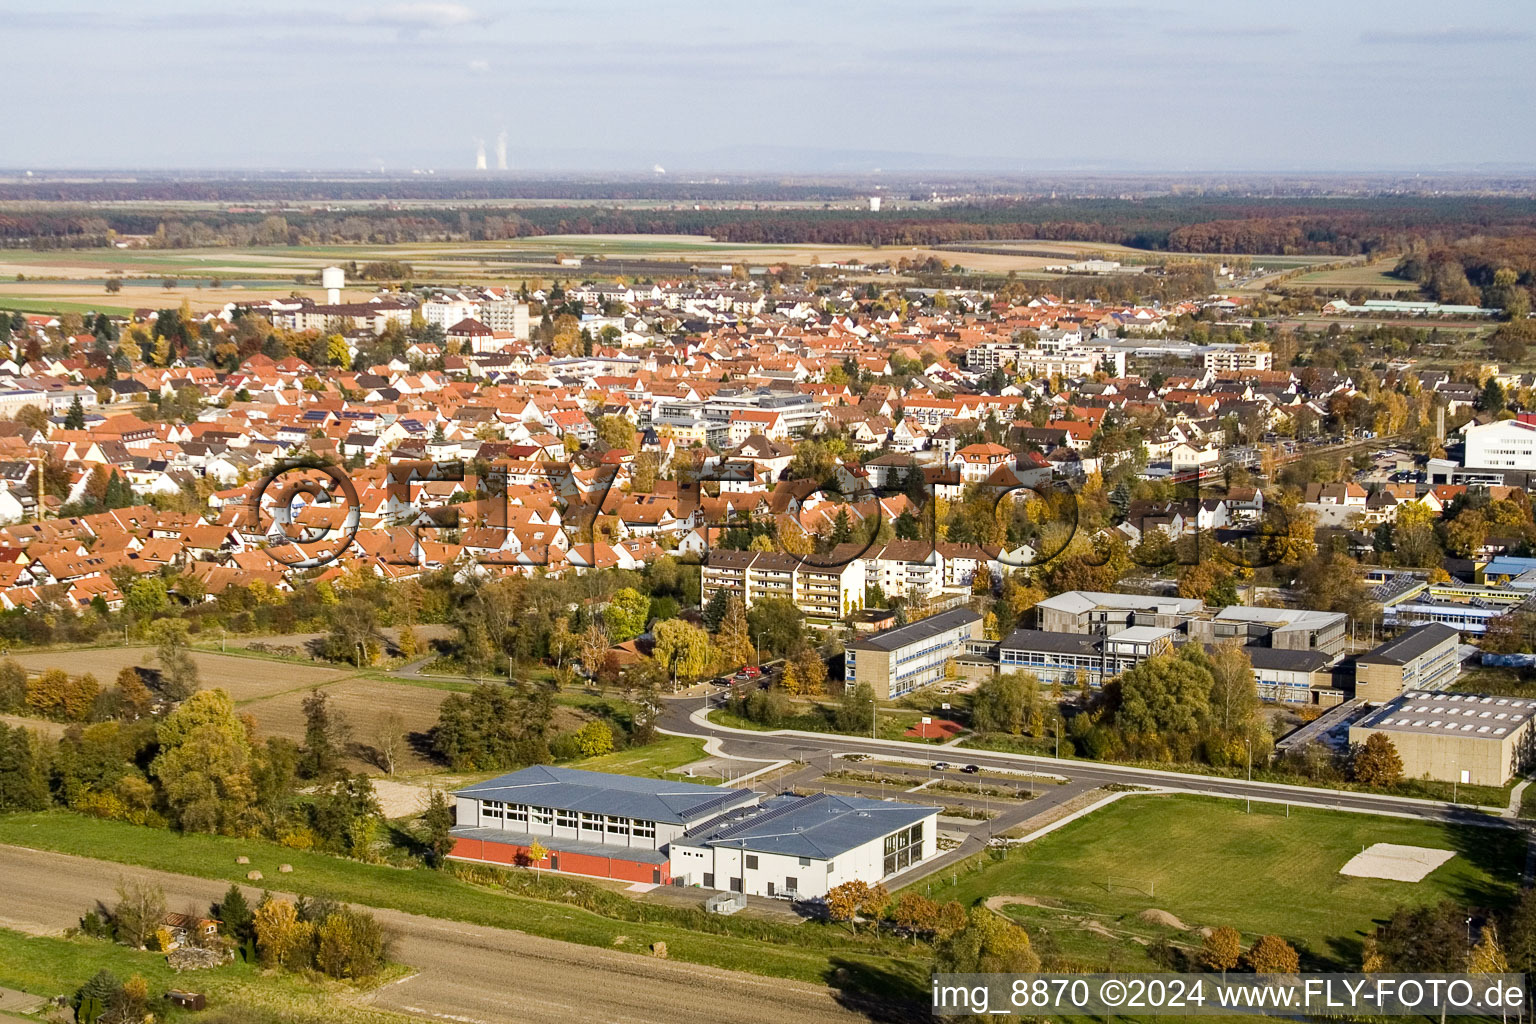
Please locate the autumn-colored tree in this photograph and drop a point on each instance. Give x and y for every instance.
(282, 940)
(134, 698)
(537, 852)
(594, 739)
(407, 643)
(951, 919)
(681, 649)
(734, 639)
(1377, 762)
(204, 764)
(1222, 949)
(1272, 955)
(46, 692)
(805, 673)
(987, 944)
(79, 697)
(915, 913)
(1487, 957)
(1234, 695)
(846, 902)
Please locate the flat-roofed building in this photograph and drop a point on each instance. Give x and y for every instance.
(1291, 629)
(805, 846)
(1071, 658)
(1469, 738)
(1293, 677)
(1091, 611)
(592, 823)
(660, 832)
(1423, 658)
(910, 657)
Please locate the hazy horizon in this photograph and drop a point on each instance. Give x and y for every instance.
(1005, 89)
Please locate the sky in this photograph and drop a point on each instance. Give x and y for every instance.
(852, 86)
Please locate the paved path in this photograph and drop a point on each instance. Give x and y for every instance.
(468, 974)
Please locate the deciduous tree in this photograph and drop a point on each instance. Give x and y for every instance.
(987, 944)
(1377, 762)
(1272, 955)
(1222, 949)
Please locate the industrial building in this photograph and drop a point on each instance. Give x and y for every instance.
(679, 833)
(1455, 737)
(910, 657)
(1422, 658)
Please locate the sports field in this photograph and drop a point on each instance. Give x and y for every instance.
(1207, 862)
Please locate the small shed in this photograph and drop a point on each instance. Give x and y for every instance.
(187, 1000)
(726, 903)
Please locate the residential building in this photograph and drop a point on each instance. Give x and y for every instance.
(1422, 658)
(910, 657)
(825, 587)
(1238, 359)
(1470, 738)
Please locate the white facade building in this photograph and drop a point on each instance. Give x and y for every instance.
(806, 846)
(1502, 444)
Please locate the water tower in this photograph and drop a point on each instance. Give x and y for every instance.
(333, 279)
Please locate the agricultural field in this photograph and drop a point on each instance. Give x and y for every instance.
(1164, 867)
(74, 281)
(244, 679)
(1375, 275)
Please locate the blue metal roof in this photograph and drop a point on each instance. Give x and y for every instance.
(822, 826)
(625, 796)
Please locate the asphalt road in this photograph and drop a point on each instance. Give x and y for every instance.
(675, 718)
(466, 973)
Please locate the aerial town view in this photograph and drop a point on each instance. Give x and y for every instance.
(797, 515)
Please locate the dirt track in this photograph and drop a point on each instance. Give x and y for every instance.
(467, 973)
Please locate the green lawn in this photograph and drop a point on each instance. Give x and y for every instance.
(653, 759)
(1208, 862)
(47, 966)
(438, 894)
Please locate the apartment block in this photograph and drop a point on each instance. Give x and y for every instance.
(824, 587)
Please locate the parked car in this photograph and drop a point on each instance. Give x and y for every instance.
(971, 769)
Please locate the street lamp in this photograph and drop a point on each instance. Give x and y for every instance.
(1248, 742)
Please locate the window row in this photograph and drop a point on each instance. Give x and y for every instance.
(583, 821)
